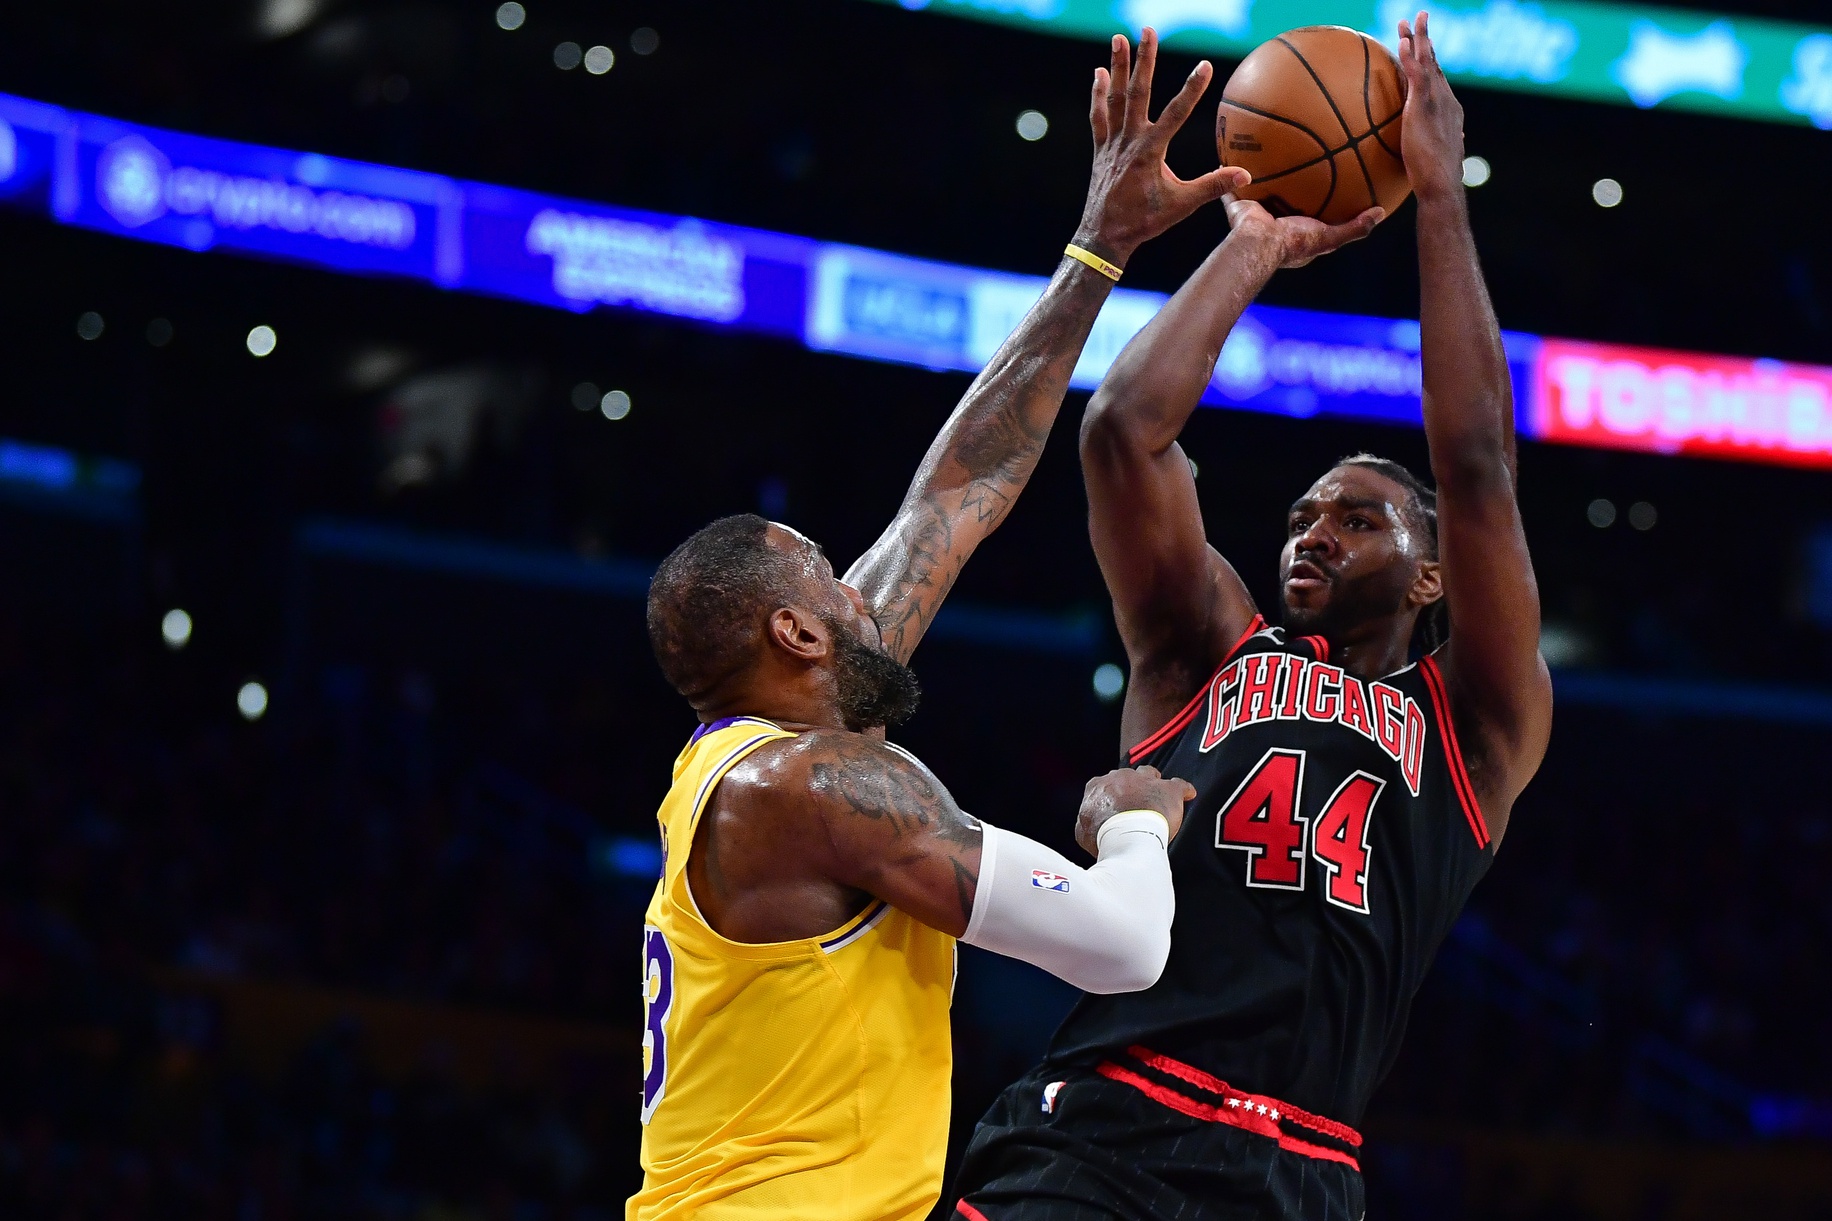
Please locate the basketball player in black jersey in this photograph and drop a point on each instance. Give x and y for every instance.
(1354, 773)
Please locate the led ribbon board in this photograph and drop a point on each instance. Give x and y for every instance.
(203, 194)
(1746, 67)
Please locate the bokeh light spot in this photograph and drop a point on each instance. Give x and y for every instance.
(251, 701)
(1109, 682)
(176, 628)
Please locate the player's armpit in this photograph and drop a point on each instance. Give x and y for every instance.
(1498, 680)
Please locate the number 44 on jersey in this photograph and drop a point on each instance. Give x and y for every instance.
(1262, 818)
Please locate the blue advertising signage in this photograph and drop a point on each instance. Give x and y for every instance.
(29, 137)
(1284, 361)
(1304, 363)
(578, 256)
(202, 194)
(351, 216)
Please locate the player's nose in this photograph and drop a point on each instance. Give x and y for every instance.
(1319, 539)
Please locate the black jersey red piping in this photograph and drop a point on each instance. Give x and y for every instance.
(1175, 725)
(1453, 753)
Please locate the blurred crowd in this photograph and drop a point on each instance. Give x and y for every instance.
(352, 849)
(1633, 968)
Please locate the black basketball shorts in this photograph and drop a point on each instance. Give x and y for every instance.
(1143, 1137)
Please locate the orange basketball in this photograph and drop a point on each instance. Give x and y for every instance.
(1314, 116)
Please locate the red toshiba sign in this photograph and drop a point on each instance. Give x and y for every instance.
(1683, 403)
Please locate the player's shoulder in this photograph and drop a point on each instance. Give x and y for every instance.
(818, 765)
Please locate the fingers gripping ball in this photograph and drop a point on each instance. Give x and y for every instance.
(1314, 116)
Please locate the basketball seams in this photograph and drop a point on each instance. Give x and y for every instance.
(1277, 118)
(1367, 82)
(1382, 140)
(1367, 102)
(1354, 140)
(1318, 82)
(1320, 158)
(1293, 169)
(1367, 107)
(1288, 97)
(1328, 155)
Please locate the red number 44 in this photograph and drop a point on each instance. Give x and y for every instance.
(1262, 819)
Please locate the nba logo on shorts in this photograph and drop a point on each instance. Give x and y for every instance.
(1049, 1096)
(1044, 880)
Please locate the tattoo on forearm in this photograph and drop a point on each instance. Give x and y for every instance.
(997, 447)
(930, 569)
(996, 440)
(987, 503)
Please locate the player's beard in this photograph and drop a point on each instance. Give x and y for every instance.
(1350, 604)
(875, 689)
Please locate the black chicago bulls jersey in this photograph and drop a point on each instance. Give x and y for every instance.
(1332, 842)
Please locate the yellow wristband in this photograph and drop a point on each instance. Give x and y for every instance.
(1094, 260)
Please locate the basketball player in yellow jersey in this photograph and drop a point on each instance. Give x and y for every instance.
(798, 959)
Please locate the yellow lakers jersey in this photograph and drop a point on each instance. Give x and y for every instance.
(794, 1079)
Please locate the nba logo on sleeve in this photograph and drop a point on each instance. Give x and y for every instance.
(1044, 880)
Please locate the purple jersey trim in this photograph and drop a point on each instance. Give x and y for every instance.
(858, 930)
(722, 723)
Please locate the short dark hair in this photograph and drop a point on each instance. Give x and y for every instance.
(1421, 511)
(709, 598)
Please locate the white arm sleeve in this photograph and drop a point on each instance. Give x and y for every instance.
(1104, 929)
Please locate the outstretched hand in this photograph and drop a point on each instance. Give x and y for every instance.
(1296, 240)
(1133, 196)
(1433, 126)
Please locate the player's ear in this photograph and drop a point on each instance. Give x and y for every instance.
(1427, 584)
(798, 633)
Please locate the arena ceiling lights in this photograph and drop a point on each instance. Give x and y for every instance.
(201, 194)
(1745, 67)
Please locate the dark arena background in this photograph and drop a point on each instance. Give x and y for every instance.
(330, 740)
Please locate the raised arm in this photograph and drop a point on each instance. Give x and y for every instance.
(1498, 681)
(835, 807)
(987, 450)
(1178, 604)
